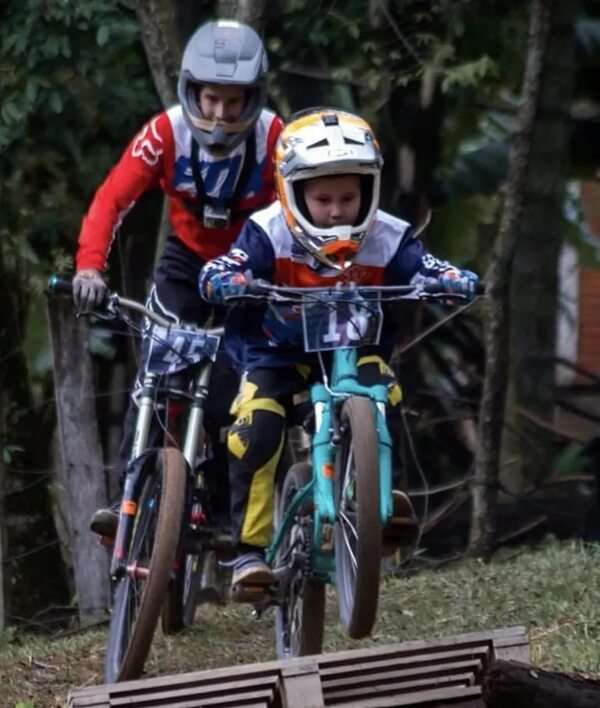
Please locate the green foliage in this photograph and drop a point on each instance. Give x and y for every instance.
(469, 74)
(571, 460)
(75, 86)
(8, 453)
(375, 59)
(7, 636)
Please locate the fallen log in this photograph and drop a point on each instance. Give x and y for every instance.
(512, 684)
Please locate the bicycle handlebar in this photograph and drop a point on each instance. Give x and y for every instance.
(113, 301)
(263, 289)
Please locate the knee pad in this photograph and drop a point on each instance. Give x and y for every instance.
(256, 435)
(375, 370)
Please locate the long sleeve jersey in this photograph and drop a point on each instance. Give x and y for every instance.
(160, 155)
(266, 247)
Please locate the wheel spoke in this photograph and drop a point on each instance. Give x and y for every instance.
(344, 517)
(348, 478)
(349, 548)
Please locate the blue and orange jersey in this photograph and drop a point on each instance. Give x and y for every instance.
(256, 337)
(160, 155)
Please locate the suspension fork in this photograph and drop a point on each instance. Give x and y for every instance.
(322, 461)
(134, 476)
(194, 437)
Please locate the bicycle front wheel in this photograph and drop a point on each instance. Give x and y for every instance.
(357, 534)
(140, 593)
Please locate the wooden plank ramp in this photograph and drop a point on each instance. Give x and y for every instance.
(441, 672)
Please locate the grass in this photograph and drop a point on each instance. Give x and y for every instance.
(553, 589)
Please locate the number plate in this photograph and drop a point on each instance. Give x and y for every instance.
(341, 319)
(173, 349)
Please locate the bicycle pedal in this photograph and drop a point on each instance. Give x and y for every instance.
(253, 594)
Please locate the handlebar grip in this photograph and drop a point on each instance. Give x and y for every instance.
(59, 286)
(434, 289)
(438, 289)
(258, 287)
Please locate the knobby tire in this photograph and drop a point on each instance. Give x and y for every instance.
(308, 639)
(357, 535)
(135, 614)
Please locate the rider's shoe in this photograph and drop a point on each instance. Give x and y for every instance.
(403, 510)
(251, 577)
(403, 530)
(105, 521)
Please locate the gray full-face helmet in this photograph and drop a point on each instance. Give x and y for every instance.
(225, 53)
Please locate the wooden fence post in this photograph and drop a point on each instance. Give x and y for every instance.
(2, 517)
(82, 457)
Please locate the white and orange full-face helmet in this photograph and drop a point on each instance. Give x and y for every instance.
(316, 143)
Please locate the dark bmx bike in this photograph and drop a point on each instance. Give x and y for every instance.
(168, 535)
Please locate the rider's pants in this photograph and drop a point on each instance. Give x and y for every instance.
(174, 295)
(265, 401)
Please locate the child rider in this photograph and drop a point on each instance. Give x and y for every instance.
(326, 227)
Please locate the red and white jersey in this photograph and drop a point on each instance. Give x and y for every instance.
(160, 156)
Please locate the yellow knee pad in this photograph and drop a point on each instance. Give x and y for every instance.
(388, 378)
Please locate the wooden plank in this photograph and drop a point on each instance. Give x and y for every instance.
(270, 669)
(196, 690)
(334, 688)
(400, 687)
(264, 698)
(195, 679)
(471, 667)
(301, 686)
(422, 646)
(194, 704)
(450, 696)
(224, 699)
(300, 679)
(89, 697)
(480, 651)
(512, 647)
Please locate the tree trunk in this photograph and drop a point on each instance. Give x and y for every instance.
(250, 12)
(2, 517)
(534, 293)
(496, 318)
(162, 44)
(81, 455)
(158, 20)
(511, 684)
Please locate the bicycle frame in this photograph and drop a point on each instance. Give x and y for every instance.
(193, 439)
(326, 400)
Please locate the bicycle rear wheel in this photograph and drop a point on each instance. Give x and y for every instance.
(140, 593)
(300, 620)
(357, 533)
